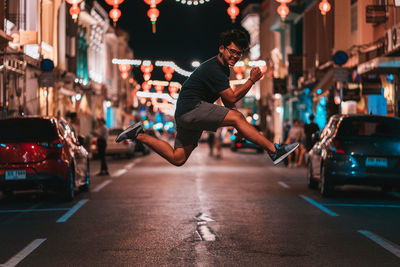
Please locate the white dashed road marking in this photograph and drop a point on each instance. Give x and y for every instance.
(23, 253)
(101, 186)
(283, 185)
(119, 173)
(386, 244)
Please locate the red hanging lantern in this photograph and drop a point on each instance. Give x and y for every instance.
(324, 6)
(283, 11)
(284, 1)
(172, 90)
(146, 86)
(233, 11)
(146, 68)
(233, 2)
(114, 2)
(153, 12)
(114, 13)
(168, 72)
(239, 69)
(74, 11)
(124, 67)
(159, 88)
(146, 76)
(124, 75)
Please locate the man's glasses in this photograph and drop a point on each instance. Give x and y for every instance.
(234, 52)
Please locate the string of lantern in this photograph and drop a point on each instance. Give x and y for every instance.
(283, 9)
(153, 12)
(159, 63)
(114, 13)
(192, 2)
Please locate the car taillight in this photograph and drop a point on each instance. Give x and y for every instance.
(53, 144)
(238, 144)
(337, 147)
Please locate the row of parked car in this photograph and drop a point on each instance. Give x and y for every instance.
(45, 153)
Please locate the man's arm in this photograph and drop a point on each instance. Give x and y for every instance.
(230, 97)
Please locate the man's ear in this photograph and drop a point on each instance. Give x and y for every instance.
(221, 50)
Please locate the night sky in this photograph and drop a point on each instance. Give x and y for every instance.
(184, 33)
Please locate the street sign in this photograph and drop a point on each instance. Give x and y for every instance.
(47, 64)
(351, 94)
(375, 14)
(340, 74)
(371, 86)
(249, 101)
(340, 58)
(46, 79)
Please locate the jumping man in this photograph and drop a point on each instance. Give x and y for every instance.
(195, 111)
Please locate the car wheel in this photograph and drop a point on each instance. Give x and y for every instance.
(69, 187)
(326, 187)
(85, 187)
(310, 177)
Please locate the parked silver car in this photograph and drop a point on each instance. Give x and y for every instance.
(357, 150)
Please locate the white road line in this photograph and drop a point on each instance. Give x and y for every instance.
(33, 210)
(283, 184)
(320, 206)
(66, 216)
(119, 173)
(23, 253)
(386, 244)
(101, 186)
(205, 232)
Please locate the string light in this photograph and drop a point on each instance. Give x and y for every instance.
(192, 2)
(160, 63)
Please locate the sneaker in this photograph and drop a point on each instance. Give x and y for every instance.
(282, 152)
(131, 132)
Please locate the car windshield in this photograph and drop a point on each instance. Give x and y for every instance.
(370, 127)
(26, 130)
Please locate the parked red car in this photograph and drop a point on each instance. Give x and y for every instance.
(42, 153)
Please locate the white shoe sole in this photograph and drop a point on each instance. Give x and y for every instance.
(278, 160)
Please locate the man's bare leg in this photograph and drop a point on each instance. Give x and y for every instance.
(236, 119)
(177, 156)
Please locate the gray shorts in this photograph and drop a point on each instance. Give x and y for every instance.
(204, 117)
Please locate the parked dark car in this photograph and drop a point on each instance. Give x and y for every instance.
(241, 143)
(42, 153)
(357, 150)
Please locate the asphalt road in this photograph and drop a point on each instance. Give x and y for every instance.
(238, 211)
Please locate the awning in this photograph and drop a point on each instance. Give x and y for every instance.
(325, 83)
(380, 65)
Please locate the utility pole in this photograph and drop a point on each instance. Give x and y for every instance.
(2, 19)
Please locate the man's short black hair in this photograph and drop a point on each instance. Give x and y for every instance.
(235, 36)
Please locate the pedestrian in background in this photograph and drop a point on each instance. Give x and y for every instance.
(294, 136)
(102, 134)
(218, 143)
(211, 143)
(309, 129)
(302, 147)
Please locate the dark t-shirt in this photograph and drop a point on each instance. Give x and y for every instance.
(204, 84)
